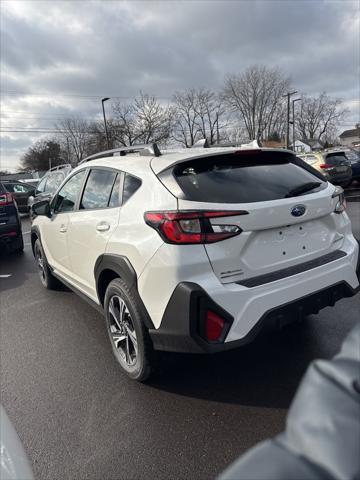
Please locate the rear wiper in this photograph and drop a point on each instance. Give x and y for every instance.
(303, 188)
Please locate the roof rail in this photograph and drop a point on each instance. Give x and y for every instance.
(60, 167)
(150, 149)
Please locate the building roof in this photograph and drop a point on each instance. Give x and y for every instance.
(354, 132)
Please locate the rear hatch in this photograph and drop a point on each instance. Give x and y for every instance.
(288, 209)
(8, 212)
(337, 166)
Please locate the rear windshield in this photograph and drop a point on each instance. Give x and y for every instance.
(2, 188)
(243, 178)
(336, 159)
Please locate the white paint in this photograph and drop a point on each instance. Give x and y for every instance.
(6, 275)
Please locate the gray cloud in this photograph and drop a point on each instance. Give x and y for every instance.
(118, 48)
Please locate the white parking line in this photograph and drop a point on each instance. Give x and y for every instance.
(5, 276)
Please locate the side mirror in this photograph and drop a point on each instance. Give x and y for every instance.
(42, 208)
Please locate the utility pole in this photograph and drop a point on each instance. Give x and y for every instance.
(288, 95)
(105, 124)
(293, 121)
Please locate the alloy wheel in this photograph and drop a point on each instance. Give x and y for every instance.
(122, 330)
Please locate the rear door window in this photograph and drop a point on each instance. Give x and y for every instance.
(241, 178)
(98, 189)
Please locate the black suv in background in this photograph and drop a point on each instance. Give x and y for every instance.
(10, 224)
(49, 184)
(21, 192)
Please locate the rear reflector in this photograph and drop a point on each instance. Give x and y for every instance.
(325, 165)
(214, 326)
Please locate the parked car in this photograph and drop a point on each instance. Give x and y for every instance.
(354, 157)
(196, 250)
(334, 165)
(49, 184)
(10, 224)
(21, 192)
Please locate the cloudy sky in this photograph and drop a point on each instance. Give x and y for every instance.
(60, 58)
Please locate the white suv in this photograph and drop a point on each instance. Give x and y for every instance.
(196, 250)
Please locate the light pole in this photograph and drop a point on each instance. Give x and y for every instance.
(288, 95)
(293, 120)
(106, 130)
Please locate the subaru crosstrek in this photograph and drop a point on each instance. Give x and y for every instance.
(196, 250)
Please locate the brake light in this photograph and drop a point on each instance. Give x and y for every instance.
(6, 199)
(214, 326)
(192, 227)
(325, 166)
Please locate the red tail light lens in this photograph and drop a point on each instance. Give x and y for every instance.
(6, 199)
(192, 227)
(325, 165)
(214, 326)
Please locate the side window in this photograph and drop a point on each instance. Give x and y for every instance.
(41, 186)
(98, 189)
(131, 184)
(9, 187)
(19, 188)
(53, 181)
(115, 194)
(66, 198)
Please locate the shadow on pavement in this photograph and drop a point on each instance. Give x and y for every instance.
(264, 373)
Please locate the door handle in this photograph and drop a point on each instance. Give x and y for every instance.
(63, 228)
(102, 227)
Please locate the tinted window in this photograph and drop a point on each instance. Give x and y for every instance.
(2, 189)
(53, 182)
(41, 186)
(131, 184)
(115, 194)
(20, 188)
(66, 198)
(336, 159)
(241, 178)
(98, 189)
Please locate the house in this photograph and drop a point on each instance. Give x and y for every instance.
(350, 138)
(301, 147)
(273, 144)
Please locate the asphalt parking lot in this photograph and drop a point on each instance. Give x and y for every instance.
(79, 417)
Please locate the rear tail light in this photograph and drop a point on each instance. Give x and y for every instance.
(341, 200)
(192, 227)
(214, 326)
(324, 166)
(6, 199)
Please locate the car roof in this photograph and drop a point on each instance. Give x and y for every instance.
(139, 165)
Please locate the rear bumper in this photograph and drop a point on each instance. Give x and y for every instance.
(247, 311)
(9, 233)
(183, 318)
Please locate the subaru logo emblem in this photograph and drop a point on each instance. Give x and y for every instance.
(298, 210)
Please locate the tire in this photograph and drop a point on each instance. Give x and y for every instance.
(18, 245)
(46, 278)
(129, 338)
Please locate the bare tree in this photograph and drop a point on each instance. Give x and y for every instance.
(143, 121)
(74, 133)
(186, 127)
(256, 96)
(319, 116)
